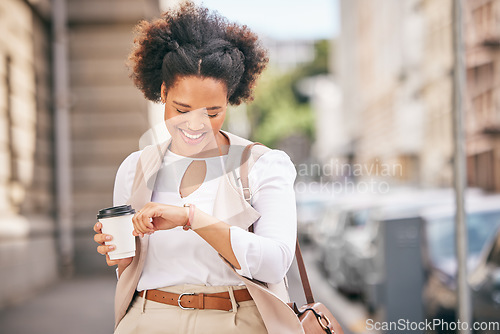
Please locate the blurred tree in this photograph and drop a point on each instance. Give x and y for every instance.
(323, 49)
(280, 109)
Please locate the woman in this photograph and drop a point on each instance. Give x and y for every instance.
(190, 221)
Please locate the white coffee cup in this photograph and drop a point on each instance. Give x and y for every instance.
(117, 221)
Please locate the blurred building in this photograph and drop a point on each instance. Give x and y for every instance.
(437, 93)
(286, 55)
(106, 118)
(325, 97)
(108, 114)
(395, 66)
(28, 253)
(380, 55)
(483, 80)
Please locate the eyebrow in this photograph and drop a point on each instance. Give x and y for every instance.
(188, 106)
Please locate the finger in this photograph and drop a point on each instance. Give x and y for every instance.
(102, 238)
(135, 221)
(98, 227)
(137, 227)
(147, 224)
(137, 234)
(146, 214)
(111, 262)
(148, 221)
(105, 249)
(142, 220)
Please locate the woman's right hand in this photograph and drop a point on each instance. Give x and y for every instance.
(104, 249)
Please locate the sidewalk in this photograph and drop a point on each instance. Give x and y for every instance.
(77, 306)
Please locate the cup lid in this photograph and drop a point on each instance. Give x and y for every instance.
(115, 211)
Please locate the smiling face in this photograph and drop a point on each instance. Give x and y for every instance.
(195, 109)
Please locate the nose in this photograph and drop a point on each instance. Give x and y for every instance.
(197, 120)
(194, 125)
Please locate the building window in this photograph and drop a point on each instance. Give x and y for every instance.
(483, 22)
(13, 170)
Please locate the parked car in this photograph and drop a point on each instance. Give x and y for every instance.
(328, 225)
(484, 281)
(400, 207)
(406, 207)
(339, 251)
(483, 220)
(308, 215)
(346, 237)
(359, 265)
(310, 210)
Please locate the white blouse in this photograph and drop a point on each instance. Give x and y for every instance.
(177, 257)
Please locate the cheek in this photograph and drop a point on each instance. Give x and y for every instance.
(216, 123)
(172, 117)
(167, 114)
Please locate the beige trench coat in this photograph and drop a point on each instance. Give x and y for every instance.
(230, 207)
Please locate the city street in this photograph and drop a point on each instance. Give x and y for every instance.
(85, 305)
(384, 116)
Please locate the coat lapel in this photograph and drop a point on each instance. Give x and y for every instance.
(145, 177)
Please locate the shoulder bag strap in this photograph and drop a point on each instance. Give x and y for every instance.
(298, 254)
(245, 157)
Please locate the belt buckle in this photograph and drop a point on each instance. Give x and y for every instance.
(179, 300)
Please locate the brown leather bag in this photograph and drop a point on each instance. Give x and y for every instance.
(313, 316)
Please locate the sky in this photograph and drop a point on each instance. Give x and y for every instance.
(282, 19)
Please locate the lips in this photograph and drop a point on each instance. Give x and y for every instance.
(192, 138)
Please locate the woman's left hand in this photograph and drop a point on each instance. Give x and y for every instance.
(156, 216)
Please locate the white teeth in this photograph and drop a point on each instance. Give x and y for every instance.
(191, 136)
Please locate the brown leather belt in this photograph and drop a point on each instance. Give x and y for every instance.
(201, 301)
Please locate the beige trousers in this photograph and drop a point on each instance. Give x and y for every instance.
(148, 317)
